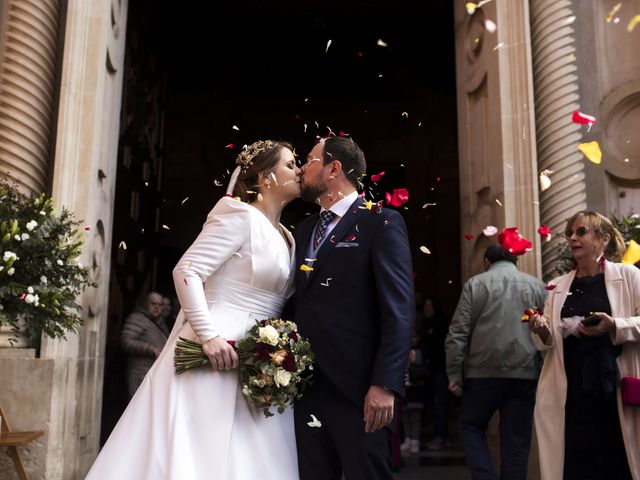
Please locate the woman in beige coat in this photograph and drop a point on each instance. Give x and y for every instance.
(583, 429)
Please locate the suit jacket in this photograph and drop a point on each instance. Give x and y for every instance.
(357, 305)
(623, 289)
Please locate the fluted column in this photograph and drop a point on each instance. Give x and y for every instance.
(28, 52)
(555, 81)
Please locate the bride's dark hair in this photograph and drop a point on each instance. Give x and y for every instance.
(258, 159)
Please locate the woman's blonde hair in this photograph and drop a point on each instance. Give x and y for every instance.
(601, 226)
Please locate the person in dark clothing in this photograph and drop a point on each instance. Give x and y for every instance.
(434, 331)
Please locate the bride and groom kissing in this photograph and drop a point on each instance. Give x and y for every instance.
(345, 279)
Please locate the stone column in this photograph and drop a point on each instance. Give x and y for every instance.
(557, 95)
(29, 31)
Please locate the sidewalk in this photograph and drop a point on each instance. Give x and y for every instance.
(446, 464)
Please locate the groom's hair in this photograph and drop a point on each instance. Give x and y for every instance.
(349, 154)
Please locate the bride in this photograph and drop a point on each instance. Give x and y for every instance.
(198, 425)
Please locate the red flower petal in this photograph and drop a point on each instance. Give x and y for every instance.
(350, 238)
(376, 177)
(549, 286)
(229, 145)
(544, 231)
(468, 236)
(583, 118)
(398, 197)
(513, 242)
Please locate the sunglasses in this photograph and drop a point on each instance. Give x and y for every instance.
(580, 232)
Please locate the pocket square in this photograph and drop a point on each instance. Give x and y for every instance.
(347, 244)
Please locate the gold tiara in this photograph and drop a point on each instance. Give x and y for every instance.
(249, 152)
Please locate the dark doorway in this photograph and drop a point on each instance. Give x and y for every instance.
(203, 79)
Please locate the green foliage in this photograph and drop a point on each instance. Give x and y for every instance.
(40, 276)
(629, 227)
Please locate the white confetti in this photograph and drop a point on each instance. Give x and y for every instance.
(424, 249)
(382, 43)
(314, 423)
(490, 26)
(328, 45)
(235, 128)
(326, 282)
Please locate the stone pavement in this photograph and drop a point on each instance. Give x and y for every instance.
(448, 463)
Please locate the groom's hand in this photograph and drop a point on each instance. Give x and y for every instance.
(221, 355)
(378, 408)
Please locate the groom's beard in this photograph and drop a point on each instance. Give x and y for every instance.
(312, 193)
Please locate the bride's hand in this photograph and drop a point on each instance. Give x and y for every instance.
(221, 355)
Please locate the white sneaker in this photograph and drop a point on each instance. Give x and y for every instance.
(415, 447)
(436, 443)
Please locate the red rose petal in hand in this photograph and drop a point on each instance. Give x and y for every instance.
(398, 197)
(513, 242)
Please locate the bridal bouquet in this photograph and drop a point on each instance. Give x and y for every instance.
(275, 363)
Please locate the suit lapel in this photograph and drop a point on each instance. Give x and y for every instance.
(338, 232)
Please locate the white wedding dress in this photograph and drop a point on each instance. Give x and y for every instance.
(198, 425)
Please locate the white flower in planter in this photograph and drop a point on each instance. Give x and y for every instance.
(31, 225)
(9, 256)
(29, 289)
(43, 279)
(25, 236)
(31, 298)
(11, 271)
(59, 262)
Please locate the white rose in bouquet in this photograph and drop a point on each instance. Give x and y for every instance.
(268, 335)
(282, 377)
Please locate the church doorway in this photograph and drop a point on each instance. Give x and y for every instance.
(203, 80)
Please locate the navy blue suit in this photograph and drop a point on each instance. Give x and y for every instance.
(357, 309)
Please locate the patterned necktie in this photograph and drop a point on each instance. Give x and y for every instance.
(325, 220)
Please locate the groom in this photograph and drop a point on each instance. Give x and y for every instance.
(354, 302)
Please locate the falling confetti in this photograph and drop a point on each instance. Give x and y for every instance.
(613, 12)
(429, 205)
(498, 202)
(326, 282)
(314, 423)
(122, 245)
(166, 227)
(489, 231)
(235, 128)
(545, 232)
(550, 286)
(306, 268)
(398, 197)
(471, 7)
(570, 20)
(424, 249)
(87, 228)
(376, 177)
(490, 26)
(229, 145)
(468, 236)
(500, 45)
(185, 200)
(513, 241)
(545, 181)
(382, 43)
(632, 24)
(405, 114)
(583, 118)
(592, 151)
(632, 255)
(328, 45)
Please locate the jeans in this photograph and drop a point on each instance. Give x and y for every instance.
(514, 399)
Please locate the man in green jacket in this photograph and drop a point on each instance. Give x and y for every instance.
(493, 364)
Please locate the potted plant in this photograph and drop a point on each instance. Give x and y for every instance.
(40, 275)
